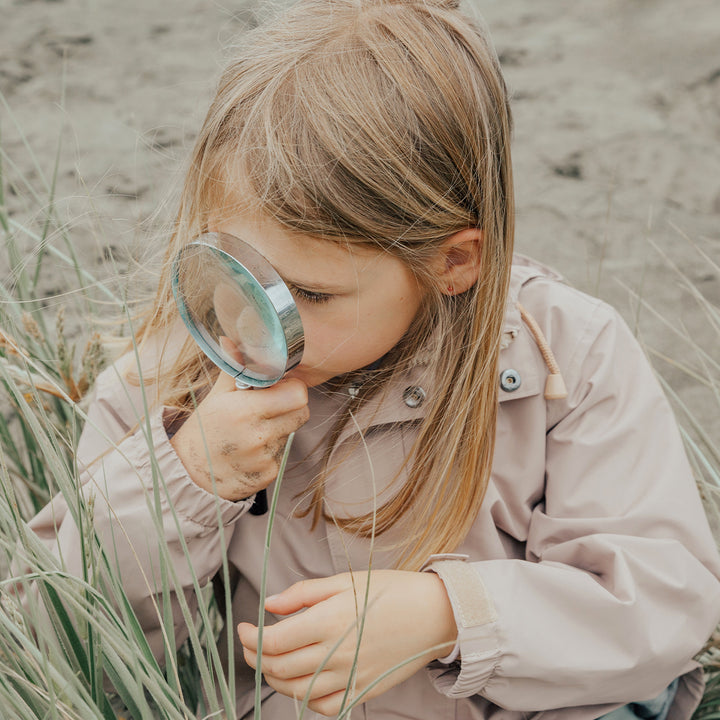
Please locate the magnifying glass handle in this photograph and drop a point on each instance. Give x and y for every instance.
(260, 506)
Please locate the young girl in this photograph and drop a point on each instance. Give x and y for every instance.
(489, 443)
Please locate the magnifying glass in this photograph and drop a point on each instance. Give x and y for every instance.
(239, 311)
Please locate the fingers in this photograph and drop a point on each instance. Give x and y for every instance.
(284, 397)
(287, 399)
(306, 593)
(296, 664)
(324, 690)
(400, 635)
(233, 442)
(281, 426)
(328, 705)
(225, 383)
(268, 415)
(266, 441)
(323, 685)
(294, 674)
(286, 636)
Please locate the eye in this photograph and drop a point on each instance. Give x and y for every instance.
(308, 295)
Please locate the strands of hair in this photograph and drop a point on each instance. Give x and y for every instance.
(383, 123)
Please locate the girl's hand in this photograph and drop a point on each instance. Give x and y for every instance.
(408, 614)
(241, 435)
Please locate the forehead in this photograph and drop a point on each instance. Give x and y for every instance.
(300, 258)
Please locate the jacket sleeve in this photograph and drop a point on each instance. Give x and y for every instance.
(142, 499)
(618, 589)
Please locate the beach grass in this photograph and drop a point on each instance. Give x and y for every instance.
(71, 645)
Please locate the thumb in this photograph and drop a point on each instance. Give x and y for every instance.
(306, 593)
(225, 382)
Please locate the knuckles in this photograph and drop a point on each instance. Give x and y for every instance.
(270, 647)
(303, 415)
(276, 667)
(297, 392)
(327, 706)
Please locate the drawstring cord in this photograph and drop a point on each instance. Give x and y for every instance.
(555, 385)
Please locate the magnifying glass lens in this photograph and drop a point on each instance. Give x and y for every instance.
(238, 309)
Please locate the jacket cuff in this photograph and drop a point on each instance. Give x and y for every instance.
(189, 500)
(478, 645)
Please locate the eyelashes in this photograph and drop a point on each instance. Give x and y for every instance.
(309, 296)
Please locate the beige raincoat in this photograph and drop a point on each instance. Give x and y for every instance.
(589, 579)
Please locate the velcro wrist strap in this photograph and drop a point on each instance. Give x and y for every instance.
(471, 603)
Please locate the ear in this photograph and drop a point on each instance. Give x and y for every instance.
(458, 264)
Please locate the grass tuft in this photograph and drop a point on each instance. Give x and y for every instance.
(71, 647)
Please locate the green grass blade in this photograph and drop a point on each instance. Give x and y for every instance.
(263, 578)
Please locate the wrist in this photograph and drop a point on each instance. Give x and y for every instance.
(446, 627)
(194, 458)
(181, 445)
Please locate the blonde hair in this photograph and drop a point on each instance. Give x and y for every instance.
(384, 123)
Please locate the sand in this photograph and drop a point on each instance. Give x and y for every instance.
(616, 146)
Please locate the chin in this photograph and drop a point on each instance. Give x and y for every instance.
(310, 376)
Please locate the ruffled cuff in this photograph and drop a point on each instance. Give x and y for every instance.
(477, 651)
(190, 501)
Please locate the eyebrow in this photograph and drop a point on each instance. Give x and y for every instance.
(320, 287)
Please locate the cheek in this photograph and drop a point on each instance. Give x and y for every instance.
(339, 343)
(392, 320)
(351, 335)
(323, 334)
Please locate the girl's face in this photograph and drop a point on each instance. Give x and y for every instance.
(355, 302)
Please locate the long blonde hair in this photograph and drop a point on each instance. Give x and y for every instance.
(384, 123)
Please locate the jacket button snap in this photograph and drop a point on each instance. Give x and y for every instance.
(414, 396)
(510, 380)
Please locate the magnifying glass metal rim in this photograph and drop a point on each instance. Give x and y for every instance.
(272, 286)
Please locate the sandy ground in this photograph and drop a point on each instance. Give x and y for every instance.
(617, 141)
